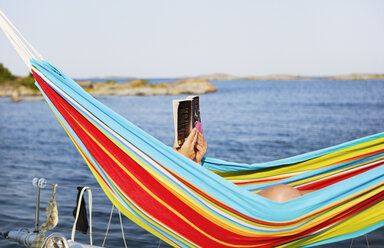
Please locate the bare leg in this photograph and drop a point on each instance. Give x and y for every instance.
(282, 193)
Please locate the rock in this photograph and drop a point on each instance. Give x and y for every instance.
(190, 86)
(6, 90)
(85, 84)
(277, 78)
(15, 95)
(142, 88)
(145, 91)
(356, 77)
(218, 76)
(24, 91)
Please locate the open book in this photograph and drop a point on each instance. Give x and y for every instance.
(186, 116)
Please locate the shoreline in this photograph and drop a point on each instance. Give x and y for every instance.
(276, 77)
(18, 90)
(108, 88)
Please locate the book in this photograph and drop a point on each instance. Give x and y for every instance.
(186, 116)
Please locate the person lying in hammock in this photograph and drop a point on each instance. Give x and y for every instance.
(195, 147)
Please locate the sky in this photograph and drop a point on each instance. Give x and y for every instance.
(177, 38)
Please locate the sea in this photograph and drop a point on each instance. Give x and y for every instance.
(244, 121)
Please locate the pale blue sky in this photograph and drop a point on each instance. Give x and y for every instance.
(172, 38)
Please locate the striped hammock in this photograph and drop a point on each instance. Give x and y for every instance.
(188, 205)
(215, 205)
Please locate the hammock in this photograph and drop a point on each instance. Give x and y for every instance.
(215, 205)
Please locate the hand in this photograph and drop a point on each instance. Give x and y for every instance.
(188, 147)
(194, 146)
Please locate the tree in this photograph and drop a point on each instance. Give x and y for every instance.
(5, 74)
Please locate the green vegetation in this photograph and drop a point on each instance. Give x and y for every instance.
(28, 82)
(5, 74)
(158, 86)
(139, 83)
(111, 82)
(145, 83)
(6, 78)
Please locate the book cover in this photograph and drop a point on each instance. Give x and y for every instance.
(186, 115)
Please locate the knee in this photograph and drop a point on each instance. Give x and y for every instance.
(280, 193)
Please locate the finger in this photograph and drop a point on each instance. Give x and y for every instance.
(205, 145)
(190, 137)
(195, 138)
(201, 140)
(199, 147)
(201, 150)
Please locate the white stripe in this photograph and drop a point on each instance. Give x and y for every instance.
(266, 178)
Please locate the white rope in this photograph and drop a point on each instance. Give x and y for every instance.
(122, 229)
(37, 54)
(78, 212)
(366, 239)
(109, 223)
(25, 55)
(350, 246)
(12, 31)
(90, 215)
(22, 46)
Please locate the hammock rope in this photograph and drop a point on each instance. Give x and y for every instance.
(215, 205)
(25, 50)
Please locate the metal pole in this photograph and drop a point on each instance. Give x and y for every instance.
(39, 184)
(37, 211)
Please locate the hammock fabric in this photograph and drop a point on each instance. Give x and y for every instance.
(188, 205)
(214, 205)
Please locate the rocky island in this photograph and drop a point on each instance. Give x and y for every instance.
(281, 77)
(357, 77)
(140, 87)
(23, 88)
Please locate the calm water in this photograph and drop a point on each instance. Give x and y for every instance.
(244, 121)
